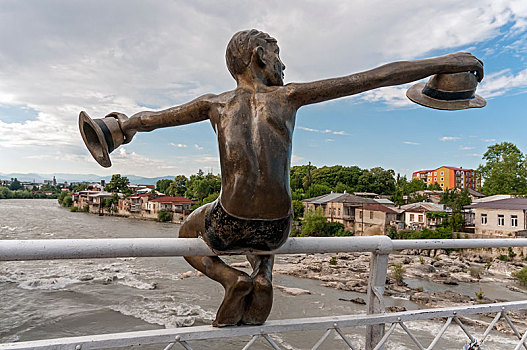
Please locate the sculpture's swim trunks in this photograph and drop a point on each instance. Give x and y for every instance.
(224, 232)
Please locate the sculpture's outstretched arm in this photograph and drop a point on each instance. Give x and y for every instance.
(390, 74)
(191, 112)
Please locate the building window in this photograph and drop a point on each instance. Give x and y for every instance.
(411, 217)
(435, 179)
(420, 218)
(501, 220)
(442, 173)
(360, 214)
(371, 214)
(435, 173)
(483, 219)
(514, 220)
(442, 179)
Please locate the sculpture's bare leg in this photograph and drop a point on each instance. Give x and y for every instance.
(237, 283)
(260, 300)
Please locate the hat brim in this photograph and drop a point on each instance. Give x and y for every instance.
(416, 95)
(93, 138)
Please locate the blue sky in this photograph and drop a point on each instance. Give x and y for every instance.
(60, 57)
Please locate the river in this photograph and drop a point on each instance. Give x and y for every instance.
(49, 299)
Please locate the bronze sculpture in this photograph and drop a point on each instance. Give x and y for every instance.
(254, 124)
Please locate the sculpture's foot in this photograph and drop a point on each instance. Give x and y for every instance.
(259, 302)
(231, 309)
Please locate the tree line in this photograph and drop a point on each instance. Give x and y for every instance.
(504, 172)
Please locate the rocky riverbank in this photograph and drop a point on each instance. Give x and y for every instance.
(350, 272)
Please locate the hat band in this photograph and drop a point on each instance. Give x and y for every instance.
(107, 134)
(448, 95)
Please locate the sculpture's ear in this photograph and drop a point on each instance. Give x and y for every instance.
(258, 55)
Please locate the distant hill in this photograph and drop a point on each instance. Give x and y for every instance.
(69, 178)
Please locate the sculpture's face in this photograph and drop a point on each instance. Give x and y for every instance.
(274, 67)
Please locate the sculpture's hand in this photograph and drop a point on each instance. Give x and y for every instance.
(123, 119)
(463, 62)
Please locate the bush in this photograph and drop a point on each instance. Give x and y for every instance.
(439, 233)
(512, 254)
(74, 209)
(521, 276)
(333, 228)
(67, 201)
(86, 208)
(344, 233)
(398, 271)
(479, 294)
(163, 216)
(503, 257)
(333, 260)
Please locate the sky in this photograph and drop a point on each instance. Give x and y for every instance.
(58, 58)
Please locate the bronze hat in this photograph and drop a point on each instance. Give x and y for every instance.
(448, 92)
(101, 136)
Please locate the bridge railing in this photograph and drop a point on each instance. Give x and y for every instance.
(375, 320)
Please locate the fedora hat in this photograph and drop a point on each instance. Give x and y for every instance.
(101, 136)
(451, 92)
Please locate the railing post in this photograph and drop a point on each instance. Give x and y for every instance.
(375, 301)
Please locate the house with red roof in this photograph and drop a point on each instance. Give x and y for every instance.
(174, 205)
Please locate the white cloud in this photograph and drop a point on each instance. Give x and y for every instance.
(329, 140)
(198, 147)
(499, 83)
(296, 159)
(411, 143)
(475, 155)
(393, 95)
(90, 61)
(449, 138)
(178, 145)
(466, 148)
(326, 131)
(489, 140)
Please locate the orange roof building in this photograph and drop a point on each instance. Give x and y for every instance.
(449, 177)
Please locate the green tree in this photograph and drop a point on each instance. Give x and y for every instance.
(201, 186)
(314, 223)
(178, 187)
(434, 187)
(504, 171)
(316, 190)
(118, 184)
(298, 174)
(15, 185)
(5, 193)
(67, 200)
(377, 180)
(298, 209)
(162, 185)
(455, 199)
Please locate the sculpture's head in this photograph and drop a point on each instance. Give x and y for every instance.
(253, 47)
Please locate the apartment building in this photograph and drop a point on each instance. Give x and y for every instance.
(449, 177)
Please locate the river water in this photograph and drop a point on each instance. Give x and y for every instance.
(62, 298)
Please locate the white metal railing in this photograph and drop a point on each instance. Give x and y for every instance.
(375, 320)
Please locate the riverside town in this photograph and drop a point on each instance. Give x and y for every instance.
(167, 183)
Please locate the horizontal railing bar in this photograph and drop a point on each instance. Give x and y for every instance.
(459, 243)
(48, 249)
(102, 341)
